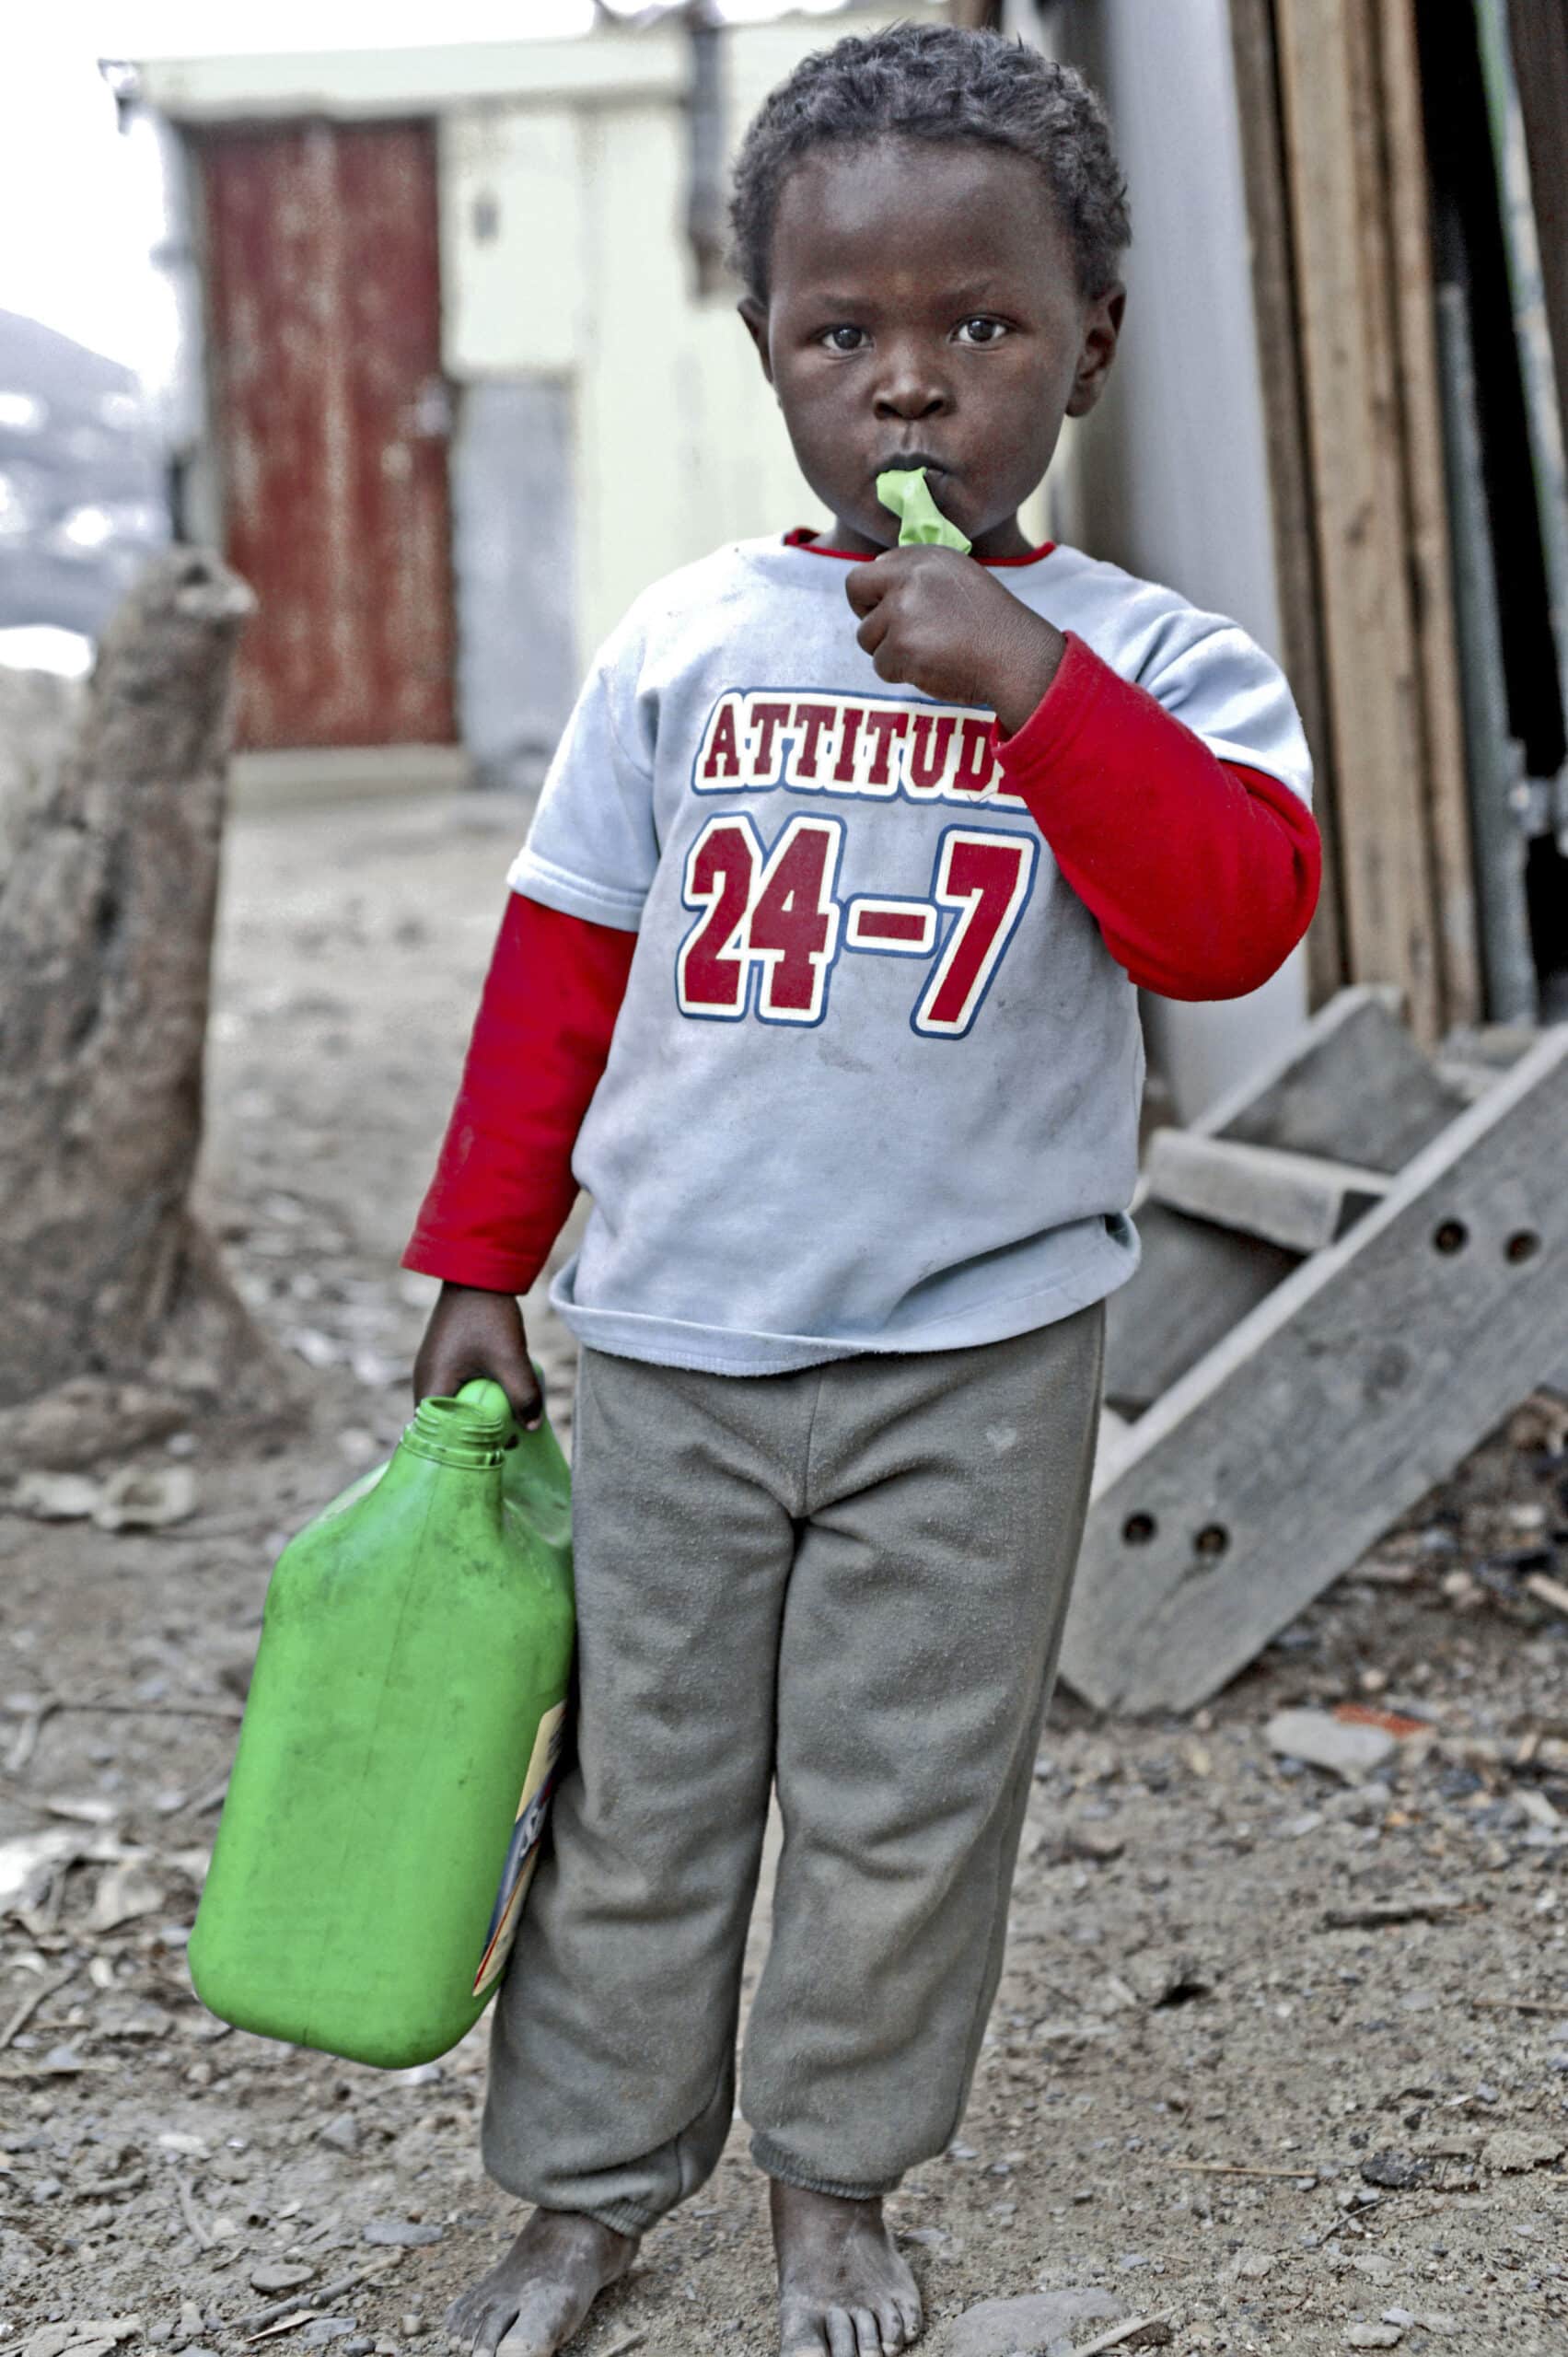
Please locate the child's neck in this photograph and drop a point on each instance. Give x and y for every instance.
(1003, 540)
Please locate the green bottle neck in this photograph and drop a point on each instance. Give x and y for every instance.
(470, 1432)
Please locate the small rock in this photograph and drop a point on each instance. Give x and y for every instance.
(1435, 2321)
(124, 1892)
(1253, 2265)
(62, 2062)
(150, 1497)
(1396, 2171)
(320, 2329)
(1372, 2335)
(57, 1497)
(342, 2134)
(1402, 2317)
(1094, 1844)
(234, 1672)
(1510, 2149)
(279, 2275)
(93, 1808)
(402, 2233)
(1000, 2328)
(87, 2337)
(1342, 1746)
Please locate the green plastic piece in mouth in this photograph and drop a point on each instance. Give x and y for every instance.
(921, 521)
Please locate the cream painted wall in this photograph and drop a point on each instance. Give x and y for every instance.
(680, 443)
(514, 280)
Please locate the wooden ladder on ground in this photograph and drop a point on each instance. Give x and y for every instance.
(1354, 1269)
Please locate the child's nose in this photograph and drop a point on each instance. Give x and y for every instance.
(910, 387)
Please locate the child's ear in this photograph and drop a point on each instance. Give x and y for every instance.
(1102, 326)
(755, 315)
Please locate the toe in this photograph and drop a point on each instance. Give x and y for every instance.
(913, 2318)
(867, 2333)
(802, 2333)
(892, 2327)
(842, 2339)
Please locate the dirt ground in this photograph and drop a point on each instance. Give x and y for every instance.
(1278, 2057)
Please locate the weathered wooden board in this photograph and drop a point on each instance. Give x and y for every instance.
(1337, 163)
(1349, 1391)
(1409, 201)
(1300, 1200)
(1192, 1285)
(1353, 1086)
(1297, 587)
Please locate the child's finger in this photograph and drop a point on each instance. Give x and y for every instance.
(864, 588)
(522, 1389)
(873, 630)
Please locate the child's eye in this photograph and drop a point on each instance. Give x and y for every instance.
(855, 337)
(982, 331)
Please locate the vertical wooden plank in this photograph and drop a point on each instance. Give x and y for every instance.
(324, 300)
(1284, 423)
(1328, 63)
(1415, 329)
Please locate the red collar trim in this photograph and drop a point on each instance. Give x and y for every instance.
(804, 538)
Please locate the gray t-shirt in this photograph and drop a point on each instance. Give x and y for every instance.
(875, 1082)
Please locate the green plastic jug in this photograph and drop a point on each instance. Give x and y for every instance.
(400, 1745)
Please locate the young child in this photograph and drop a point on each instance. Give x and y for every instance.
(821, 981)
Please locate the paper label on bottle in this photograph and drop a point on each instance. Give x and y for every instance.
(522, 1850)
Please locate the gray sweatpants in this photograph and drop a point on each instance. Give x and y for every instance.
(851, 1580)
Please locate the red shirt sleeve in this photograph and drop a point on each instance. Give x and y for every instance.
(1202, 873)
(504, 1185)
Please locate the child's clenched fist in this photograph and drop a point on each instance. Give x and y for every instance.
(938, 621)
(471, 1333)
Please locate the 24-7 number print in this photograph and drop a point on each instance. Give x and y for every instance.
(776, 910)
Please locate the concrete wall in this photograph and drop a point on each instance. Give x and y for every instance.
(1171, 475)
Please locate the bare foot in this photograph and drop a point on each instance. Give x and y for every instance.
(540, 2292)
(843, 2289)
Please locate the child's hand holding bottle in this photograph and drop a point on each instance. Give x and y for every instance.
(472, 1333)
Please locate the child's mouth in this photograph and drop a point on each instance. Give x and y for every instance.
(906, 461)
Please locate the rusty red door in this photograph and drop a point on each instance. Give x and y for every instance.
(324, 298)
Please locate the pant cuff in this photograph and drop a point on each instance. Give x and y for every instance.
(631, 2218)
(778, 2163)
(625, 2218)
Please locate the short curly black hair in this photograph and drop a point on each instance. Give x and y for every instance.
(938, 82)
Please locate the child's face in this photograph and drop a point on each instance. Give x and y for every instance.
(925, 310)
